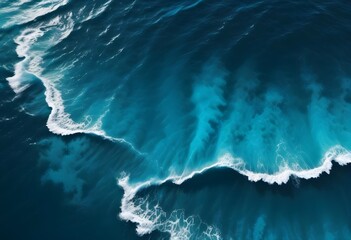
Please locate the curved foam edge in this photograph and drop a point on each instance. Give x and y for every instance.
(59, 122)
(149, 218)
(131, 211)
(337, 153)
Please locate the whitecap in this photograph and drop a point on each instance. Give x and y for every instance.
(32, 45)
(39, 9)
(150, 219)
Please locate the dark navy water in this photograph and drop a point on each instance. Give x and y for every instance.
(34, 209)
(181, 120)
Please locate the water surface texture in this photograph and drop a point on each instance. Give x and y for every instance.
(175, 119)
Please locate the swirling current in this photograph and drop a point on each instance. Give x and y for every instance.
(185, 119)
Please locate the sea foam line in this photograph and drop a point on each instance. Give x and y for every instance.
(131, 211)
(149, 218)
(59, 121)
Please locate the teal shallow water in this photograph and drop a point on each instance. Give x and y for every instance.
(183, 88)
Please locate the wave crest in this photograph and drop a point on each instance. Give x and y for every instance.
(148, 219)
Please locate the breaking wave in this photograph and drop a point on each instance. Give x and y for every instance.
(205, 93)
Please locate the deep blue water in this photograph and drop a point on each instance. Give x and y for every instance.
(175, 119)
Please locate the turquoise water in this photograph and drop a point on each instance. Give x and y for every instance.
(193, 108)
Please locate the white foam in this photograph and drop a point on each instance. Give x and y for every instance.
(59, 121)
(27, 15)
(148, 220)
(24, 42)
(337, 153)
(15, 82)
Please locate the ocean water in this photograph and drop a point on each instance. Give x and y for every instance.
(175, 119)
